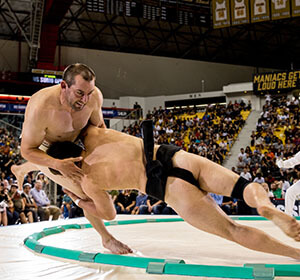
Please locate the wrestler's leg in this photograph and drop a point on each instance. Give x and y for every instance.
(200, 210)
(215, 178)
(257, 198)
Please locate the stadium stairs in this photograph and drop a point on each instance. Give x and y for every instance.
(243, 139)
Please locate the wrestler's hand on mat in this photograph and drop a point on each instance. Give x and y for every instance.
(69, 169)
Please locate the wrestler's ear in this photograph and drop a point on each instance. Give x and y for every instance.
(63, 85)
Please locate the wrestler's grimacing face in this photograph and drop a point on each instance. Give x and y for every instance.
(79, 93)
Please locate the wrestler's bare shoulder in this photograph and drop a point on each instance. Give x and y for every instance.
(46, 98)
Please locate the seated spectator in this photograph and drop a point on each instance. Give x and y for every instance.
(259, 179)
(141, 202)
(223, 147)
(246, 174)
(234, 170)
(43, 203)
(74, 211)
(3, 215)
(267, 189)
(12, 215)
(229, 205)
(269, 179)
(41, 176)
(253, 138)
(217, 198)
(66, 206)
(30, 205)
(240, 165)
(153, 206)
(248, 151)
(114, 194)
(168, 210)
(19, 205)
(255, 159)
(242, 154)
(4, 203)
(276, 189)
(125, 202)
(29, 179)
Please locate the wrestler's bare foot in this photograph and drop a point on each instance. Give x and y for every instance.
(116, 247)
(287, 224)
(19, 174)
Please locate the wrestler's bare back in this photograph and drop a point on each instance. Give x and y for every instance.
(107, 162)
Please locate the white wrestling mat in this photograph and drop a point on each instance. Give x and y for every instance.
(171, 240)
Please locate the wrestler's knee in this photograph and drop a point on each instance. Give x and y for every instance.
(251, 187)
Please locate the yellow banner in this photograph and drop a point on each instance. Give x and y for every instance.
(276, 81)
(239, 12)
(295, 8)
(221, 13)
(260, 10)
(280, 9)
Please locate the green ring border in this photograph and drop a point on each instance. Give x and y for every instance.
(161, 266)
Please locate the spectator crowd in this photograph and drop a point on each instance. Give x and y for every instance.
(277, 136)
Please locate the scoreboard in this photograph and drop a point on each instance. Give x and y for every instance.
(189, 12)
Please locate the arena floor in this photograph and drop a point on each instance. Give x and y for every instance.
(176, 240)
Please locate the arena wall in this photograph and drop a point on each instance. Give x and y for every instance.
(121, 74)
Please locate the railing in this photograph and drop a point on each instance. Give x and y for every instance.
(127, 120)
(14, 129)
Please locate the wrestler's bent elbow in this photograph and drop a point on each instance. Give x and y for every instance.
(109, 216)
(106, 214)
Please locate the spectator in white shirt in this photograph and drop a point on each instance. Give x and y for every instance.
(259, 179)
(246, 174)
(242, 154)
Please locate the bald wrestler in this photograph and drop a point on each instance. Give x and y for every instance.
(114, 160)
(59, 113)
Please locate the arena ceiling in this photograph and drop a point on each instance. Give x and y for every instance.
(273, 44)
